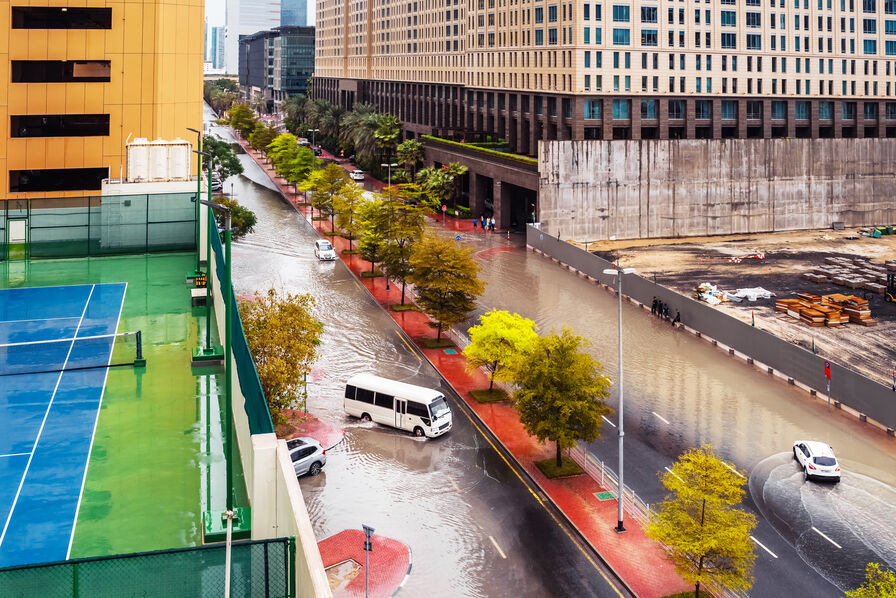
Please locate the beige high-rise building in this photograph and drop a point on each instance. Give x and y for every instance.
(527, 70)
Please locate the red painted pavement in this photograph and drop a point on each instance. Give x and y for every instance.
(326, 433)
(640, 561)
(390, 561)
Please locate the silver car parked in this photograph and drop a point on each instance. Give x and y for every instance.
(307, 455)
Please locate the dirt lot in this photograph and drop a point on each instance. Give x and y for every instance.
(682, 264)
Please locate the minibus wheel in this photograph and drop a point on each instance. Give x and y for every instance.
(418, 431)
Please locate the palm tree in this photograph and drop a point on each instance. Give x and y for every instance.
(352, 123)
(455, 170)
(388, 130)
(410, 153)
(295, 108)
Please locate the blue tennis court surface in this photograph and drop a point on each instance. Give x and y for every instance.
(47, 419)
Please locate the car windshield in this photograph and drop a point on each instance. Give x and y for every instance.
(439, 407)
(324, 246)
(825, 461)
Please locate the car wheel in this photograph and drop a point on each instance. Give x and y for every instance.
(418, 431)
(795, 458)
(365, 417)
(314, 469)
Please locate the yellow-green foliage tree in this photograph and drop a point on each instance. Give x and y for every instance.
(879, 583)
(348, 207)
(446, 278)
(281, 150)
(325, 185)
(498, 343)
(708, 537)
(561, 394)
(401, 224)
(283, 335)
(242, 118)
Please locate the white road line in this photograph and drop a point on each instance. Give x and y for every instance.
(820, 533)
(732, 469)
(456, 487)
(764, 547)
(501, 552)
(673, 473)
(44, 421)
(608, 421)
(13, 455)
(666, 421)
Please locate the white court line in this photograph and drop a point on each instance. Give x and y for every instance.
(39, 319)
(764, 547)
(673, 473)
(43, 423)
(608, 421)
(501, 552)
(732, 469)
(820, 533)
(96, 420)
(661, 417)
(14, 455)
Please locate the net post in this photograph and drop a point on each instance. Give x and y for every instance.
(140, 362)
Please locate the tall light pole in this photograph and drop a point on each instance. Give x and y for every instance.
(197, 271)
(313, 131)
(390, 167)
(618, 272)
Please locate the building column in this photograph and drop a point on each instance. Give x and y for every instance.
(606, 115)
(502, 206)
(635, 114)
(662, 116)
(717, 118)
(477, 194)
(741, 118)
(578, 120)
(791, 118)
(767, 119)
(881, 112)
(813, 118)
(690, 114)
(860, 120)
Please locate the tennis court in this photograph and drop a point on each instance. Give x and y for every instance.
(54, 346)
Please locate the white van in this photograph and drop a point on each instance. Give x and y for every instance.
(420, 410)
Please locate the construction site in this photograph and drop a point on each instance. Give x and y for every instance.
(830, 291)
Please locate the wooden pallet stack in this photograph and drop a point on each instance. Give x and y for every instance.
(827, 310)
(853, 273)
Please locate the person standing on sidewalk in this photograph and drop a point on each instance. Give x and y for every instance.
(482, 220)
(474, 223)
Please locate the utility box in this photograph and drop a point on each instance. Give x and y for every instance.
(138, 160)
(159, 160)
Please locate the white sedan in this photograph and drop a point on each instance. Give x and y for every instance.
(356, 175)
(324, 250)
(817, 460)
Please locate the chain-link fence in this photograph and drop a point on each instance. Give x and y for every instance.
(259, 569)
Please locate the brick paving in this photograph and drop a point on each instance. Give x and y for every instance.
(390, 562)
(637, 559)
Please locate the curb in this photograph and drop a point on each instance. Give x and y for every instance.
(408, 574)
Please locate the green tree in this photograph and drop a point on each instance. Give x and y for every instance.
(325, 185)
(242, 119)
(561, 394)
(455, 171)
(262, 136)
(708, 537)
(879, 583)
(386, 134)
(444, 274)
(401, 224)
(348, 205)
(437, 185)
(281, 150)
(371, 244)
(357, 130)
(226, 162)
(498, 343)
(410, 153)
(283, 336)
(299, 167)
(242, 219)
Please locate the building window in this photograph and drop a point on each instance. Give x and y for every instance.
(59, 125)
(59, 17)
(754, 19)
(676, 109)
(849, 111)
(552, 36)
(729, 41)
(729, 110)
(539, 37)
(869, 6)
(779, 110)
(703, 109)
(754, 41)
(801, 110)
(754, 108)
(587, 60)
(592, 109)
(649, 37)
(870, 46)
(891, 110)
(586, 11)
(57, 179)
(621, 37)
(869, 26)
(60, 71)
(621, 110)
(586, 35)
(890, 7)
(539, 15)
(620, 13)
(648, 109)
(870, 111)
(648, 14)
(729, 18)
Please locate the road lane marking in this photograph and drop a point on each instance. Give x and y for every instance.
(359, 285)
(453, 483)
(732, 469)
(764, 547)
(406, 344)
(501, 552)
(673, 473)
(537, 498)
(666, 421)
(608, 421)
(820, 533)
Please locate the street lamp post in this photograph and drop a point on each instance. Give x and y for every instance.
(197, 271)
(390, 167)
(208, 353)
(618, 272)
(368, 548)
(313, 131)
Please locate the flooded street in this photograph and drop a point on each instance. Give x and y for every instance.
(471, 524)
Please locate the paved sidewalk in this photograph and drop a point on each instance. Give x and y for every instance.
(390, 563)
(640, 561)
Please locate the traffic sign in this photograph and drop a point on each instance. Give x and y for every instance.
(444, 208)
(457, 238)
(827, 370)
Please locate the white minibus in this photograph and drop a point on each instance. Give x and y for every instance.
(420, 410)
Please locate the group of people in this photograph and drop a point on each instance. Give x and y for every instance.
(661, 309)
(487, 223)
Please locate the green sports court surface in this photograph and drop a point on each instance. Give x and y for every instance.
(155, 461)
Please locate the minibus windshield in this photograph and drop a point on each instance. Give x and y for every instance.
(439, 408)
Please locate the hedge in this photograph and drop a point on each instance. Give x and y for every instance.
(482, 150)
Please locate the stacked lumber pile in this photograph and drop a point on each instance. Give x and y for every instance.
(853, 273)
(828, 310)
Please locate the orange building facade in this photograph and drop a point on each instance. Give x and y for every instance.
(81, 79)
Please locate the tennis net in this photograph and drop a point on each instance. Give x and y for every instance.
(78, 353)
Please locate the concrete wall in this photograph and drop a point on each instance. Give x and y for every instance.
(591, 190)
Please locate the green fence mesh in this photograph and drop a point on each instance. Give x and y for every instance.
(99, 225)
(259, 569)
(256, 405)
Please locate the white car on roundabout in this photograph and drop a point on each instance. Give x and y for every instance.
(817, 460)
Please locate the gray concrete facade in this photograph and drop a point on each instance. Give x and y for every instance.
(597, 189)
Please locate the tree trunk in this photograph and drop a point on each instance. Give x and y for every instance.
(697, 590)
(371, 267)
(332, 222)
(491, 381)
(559, 456)
(402, 292)
(439, 332)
